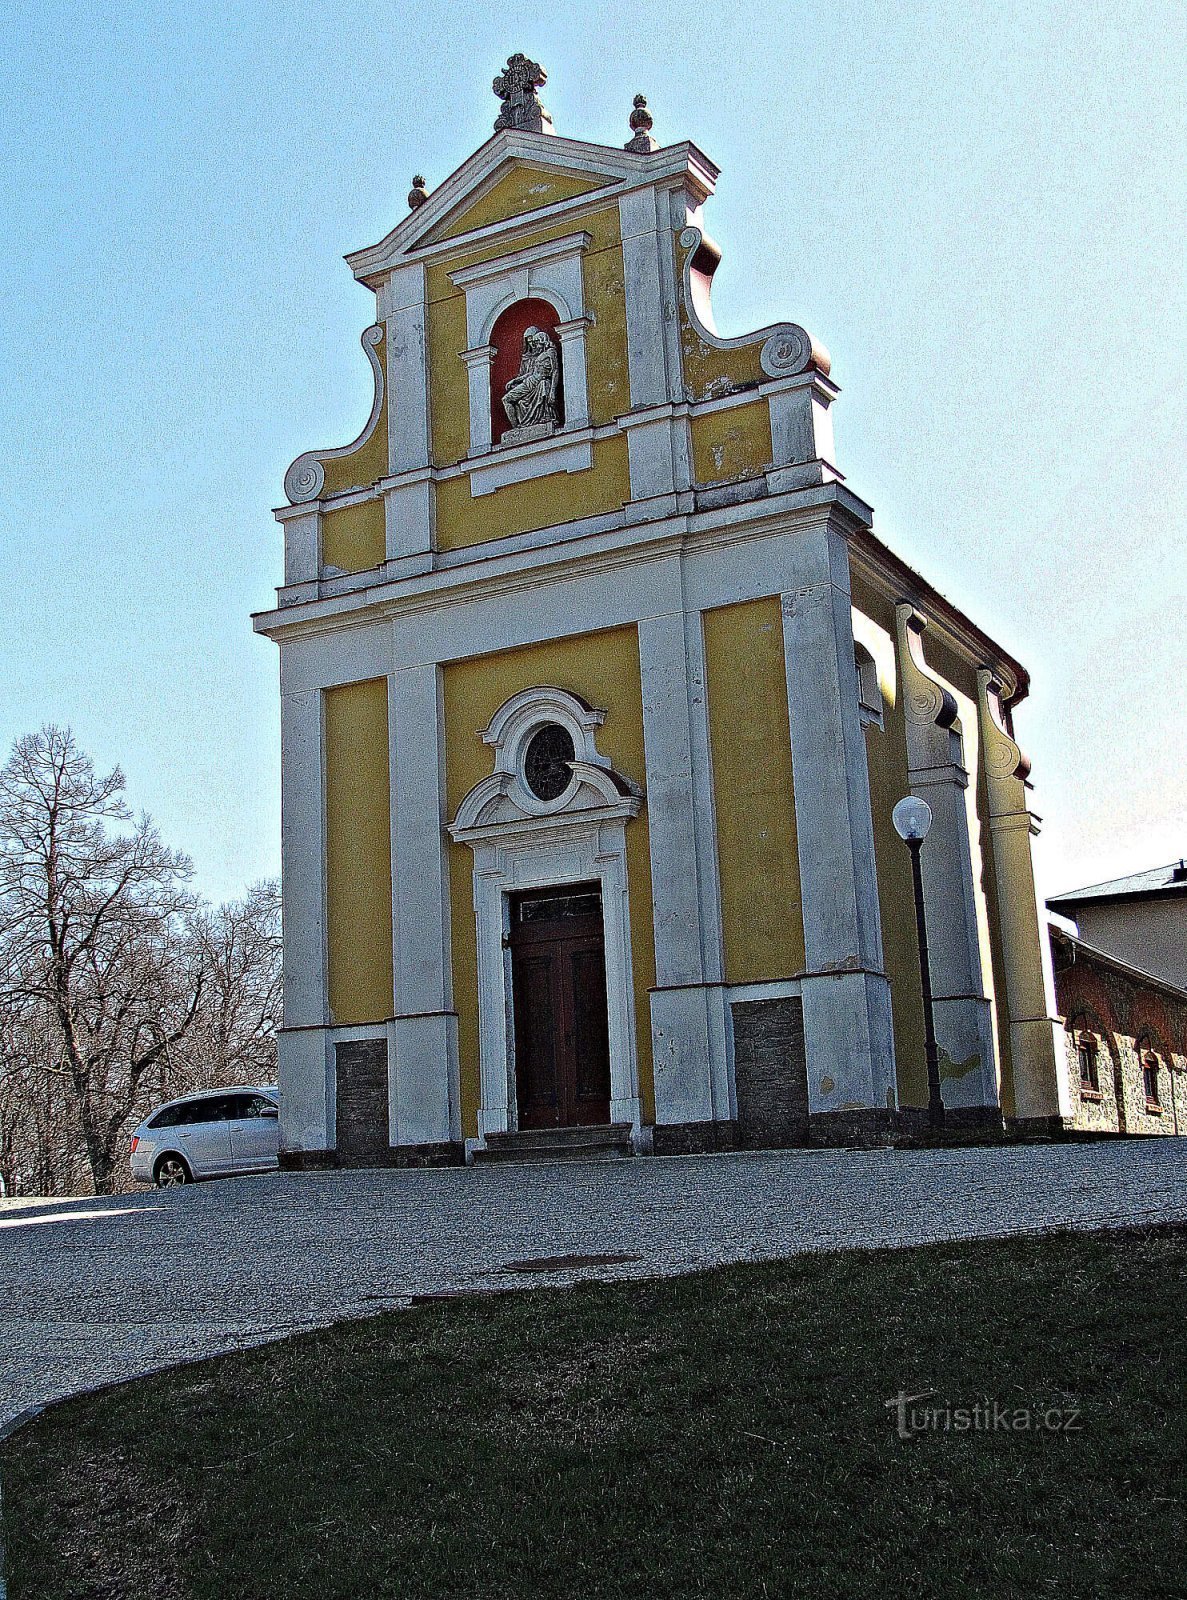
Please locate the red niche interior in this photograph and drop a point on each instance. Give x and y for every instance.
(507, 338)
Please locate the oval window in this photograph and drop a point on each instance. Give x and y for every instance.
(546, 769)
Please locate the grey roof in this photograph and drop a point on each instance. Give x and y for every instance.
(1171, 879)
(1104, 958)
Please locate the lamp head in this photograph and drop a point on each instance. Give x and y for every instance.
(911, 818)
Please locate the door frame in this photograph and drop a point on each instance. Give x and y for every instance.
(521, 940)
(521, 841)
(583, 853)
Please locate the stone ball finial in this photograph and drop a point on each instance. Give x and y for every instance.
(641, 125)
(418, 194)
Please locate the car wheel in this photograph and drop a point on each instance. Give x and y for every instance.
(170, 1171)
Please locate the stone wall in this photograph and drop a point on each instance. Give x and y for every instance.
(361, 1086)
(770, 1073)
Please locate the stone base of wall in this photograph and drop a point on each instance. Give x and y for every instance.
(1036, 1127)
(693, 1138)
(866, 1128)
(863, 1128)
(452, 1154)
(360, 1081)
(406, 1155)
(770, 1073)
(308, 1160)
(361, 1119)
(962, 1125)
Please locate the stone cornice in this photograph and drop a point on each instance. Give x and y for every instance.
(621, 170)
(945, 620)
(571, 244)
(524, 560)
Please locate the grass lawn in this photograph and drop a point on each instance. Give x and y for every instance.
(725, 1434)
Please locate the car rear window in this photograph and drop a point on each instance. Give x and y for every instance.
(248, 1105)
(216, 1109)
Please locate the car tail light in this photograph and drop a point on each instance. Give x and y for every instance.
(135, 1142)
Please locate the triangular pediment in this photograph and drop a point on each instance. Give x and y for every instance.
(518, 174)
(515, 192)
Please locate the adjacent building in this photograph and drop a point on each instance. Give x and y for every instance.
(1121, 985)
(598, 690)
(1141, 919)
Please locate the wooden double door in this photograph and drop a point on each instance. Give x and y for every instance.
(558, 985)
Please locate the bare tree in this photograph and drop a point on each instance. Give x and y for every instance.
(233, 1038)
(39, 1138)
(98, 927)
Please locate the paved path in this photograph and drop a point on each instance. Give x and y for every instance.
(97, 1290)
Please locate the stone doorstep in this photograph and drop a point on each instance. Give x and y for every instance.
(608, 1142)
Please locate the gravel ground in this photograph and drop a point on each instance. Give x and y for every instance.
(94, 1291)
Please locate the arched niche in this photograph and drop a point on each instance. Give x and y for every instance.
(506, 339)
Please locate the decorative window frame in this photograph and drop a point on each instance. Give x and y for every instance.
(1088, 1062)
(522, 842)
(551, 272)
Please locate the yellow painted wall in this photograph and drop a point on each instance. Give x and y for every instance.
(886, 756)
(874, 625)
(354, 537)
(536, 503)
(369, 462)
(604, 669)
(524, 189)
(761, 905)
(734, 443)
(358, 852)
(997, 952)
(463, 520)
(960, 676)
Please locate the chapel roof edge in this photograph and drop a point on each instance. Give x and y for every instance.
(622, 170)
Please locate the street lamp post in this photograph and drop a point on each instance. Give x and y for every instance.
(912, 819)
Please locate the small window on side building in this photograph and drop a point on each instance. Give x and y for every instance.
(1089, 1071)
(1150, 1082)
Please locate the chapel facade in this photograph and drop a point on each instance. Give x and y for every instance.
(598, 691)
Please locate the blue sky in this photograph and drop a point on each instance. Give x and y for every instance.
(979, 210)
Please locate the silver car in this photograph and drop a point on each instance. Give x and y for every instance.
(209, 1135)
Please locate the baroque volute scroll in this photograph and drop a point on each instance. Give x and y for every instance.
(930, 707)
(1005, 763)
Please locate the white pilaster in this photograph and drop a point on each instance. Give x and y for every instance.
(647, 351)
(936, 772)
(576, 389)
(657, 439)
(688, 1005)
(478, 364)
(408, 505)
(802, 447)
(302, 545)
(306, 1075)
(659, 451)
(847, 1016)
(423, 1093)
(1038, 1054)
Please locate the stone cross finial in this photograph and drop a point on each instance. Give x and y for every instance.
(641, 124)
(516, 87)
